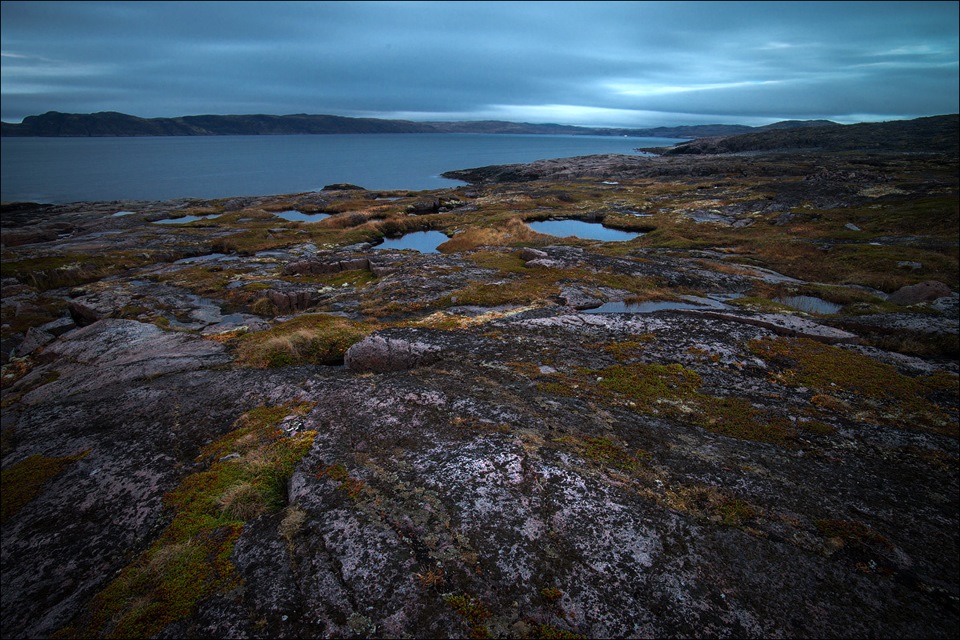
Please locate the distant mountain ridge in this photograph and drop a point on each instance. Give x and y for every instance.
(933, 134)
(112, 124)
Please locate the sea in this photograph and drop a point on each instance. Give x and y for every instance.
(62, 170)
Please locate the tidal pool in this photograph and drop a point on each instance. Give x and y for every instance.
(186, 219)
(581, 229)
(298, 216)
(204, 258)
(688, 302)
(422, 241)
(809, 304)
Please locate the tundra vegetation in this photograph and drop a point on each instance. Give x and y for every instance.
(247, 426)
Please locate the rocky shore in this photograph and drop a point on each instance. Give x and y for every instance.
(245, 426)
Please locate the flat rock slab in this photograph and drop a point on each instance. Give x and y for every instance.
(786, 325)
(121, 351)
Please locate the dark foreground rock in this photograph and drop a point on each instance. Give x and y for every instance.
(476, 473)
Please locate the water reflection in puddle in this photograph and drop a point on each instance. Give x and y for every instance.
(809, 304)
(298, 216)
(186, 219)
(204, 258)
(123, 213)
(581, 229)
(688, 302)
(422, 241)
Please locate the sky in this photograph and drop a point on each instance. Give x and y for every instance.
(608, 64)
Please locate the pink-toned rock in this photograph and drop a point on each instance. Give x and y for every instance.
(387, 352)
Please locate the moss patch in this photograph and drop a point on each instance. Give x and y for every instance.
(473, 612)
(23, 481)
(859, 387)
(191, 559)
(672, 391)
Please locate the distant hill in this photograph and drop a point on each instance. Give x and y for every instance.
(113, 124)
(109, 123)
(935, 133)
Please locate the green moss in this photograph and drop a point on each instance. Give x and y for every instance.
(354, 278)
(70, 270)
(647, 384)
(874, 390)
(23, 481)
(540, 631)
(473, 611)
(736, 512)
(608, 453)
(503, 261)
(673, 391)
(738, 418)
(628, 349)
(526, 285)
(191, 559)
(352, 487)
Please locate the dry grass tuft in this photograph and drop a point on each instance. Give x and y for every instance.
(242, 502)
(513, 232)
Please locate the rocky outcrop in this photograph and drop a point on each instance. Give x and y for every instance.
(319, 265)
(921, 292)
(120, 352)
(396, 350)
(286, 302)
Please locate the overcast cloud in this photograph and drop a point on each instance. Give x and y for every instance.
(632, 64)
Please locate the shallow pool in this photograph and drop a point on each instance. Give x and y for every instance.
(581, 229)
(298, 216)
(809, 304)
(186, 219)
(688, 302)
(422, 241)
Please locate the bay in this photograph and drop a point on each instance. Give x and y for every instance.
(59, 170)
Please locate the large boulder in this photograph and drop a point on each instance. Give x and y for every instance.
(392, 350)
(922, 292)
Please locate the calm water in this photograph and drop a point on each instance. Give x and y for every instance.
(298, 216)
(692, 302)
(581, 229)
(182, 219)
(56, 170)
(422, 241)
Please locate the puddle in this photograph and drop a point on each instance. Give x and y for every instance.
(689, 302)
(298, 216)
(581, 229)
(422, 241)
(186, 219)
(123, 213)
(810, 304)
(207, 258)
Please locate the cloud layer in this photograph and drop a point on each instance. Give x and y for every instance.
(589, 63)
